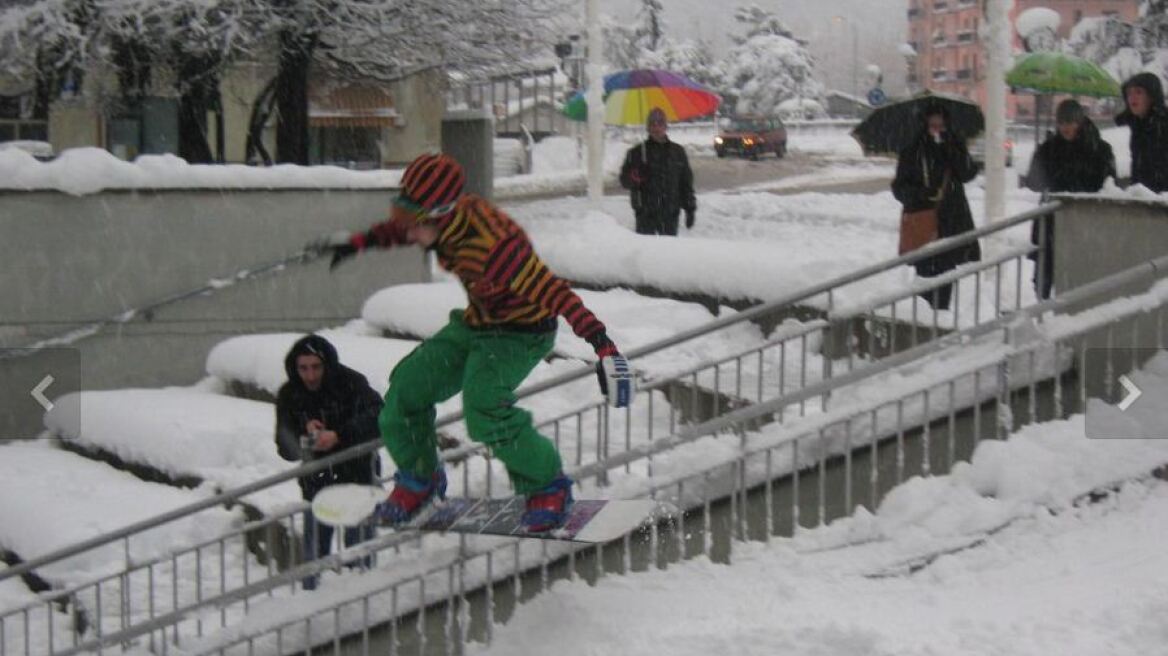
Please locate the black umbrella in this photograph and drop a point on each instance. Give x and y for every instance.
(892, 127)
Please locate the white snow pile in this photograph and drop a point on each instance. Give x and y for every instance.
(258, 360)
(1000, 556)
(181, 432)
(54, 499)
(14, 594)
(82, 171)
(743, 246)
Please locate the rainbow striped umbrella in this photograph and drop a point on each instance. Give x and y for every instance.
(629, 96)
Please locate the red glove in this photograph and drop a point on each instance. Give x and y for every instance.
(637, 175)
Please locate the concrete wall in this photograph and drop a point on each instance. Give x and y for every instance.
(71, 260)
(1095, 237)
(421, 100)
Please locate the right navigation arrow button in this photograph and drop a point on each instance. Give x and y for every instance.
(1133, 393)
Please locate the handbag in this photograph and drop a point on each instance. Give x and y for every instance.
(917, 229)
(920, 228)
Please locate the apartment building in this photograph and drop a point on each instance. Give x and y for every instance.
(945, 34)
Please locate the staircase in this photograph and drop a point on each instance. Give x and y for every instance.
(814, 419)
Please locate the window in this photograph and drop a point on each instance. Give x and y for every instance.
(940, 5)
(940, 75)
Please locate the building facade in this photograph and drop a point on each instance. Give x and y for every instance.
(945, 36)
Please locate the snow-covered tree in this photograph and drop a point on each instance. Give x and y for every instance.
(695, 60)
(1125, 49)
(638, 44)
(768, 66)
(138, 43)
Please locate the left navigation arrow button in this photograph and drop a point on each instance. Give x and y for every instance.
(38, 393)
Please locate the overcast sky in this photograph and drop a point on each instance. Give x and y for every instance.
(880, 27)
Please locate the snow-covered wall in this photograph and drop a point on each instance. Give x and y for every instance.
(115, 251)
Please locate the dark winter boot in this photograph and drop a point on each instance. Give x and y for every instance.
(409, 495)
(548, 508)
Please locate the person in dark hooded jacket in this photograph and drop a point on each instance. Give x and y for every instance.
(931, 172)
(660, 182)
(325, 407)
(1075, 158)
(1147, 117)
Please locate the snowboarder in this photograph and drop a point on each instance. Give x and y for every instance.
(485, 351)
(657, 174)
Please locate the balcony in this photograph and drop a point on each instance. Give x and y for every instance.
(940, 5)
(940, 75)
(965, 74)
(967, 36)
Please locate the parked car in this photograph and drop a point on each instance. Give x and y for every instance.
(977, 151)
(752, 136)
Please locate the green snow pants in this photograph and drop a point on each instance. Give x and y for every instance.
(486, 365)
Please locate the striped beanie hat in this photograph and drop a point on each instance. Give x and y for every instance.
(431, 185)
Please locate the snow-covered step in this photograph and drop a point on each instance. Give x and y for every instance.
(46, 624)
(54, 499)
(258, 360)
(181, 432)
(632, 320)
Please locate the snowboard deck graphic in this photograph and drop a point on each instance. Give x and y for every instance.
(589, 520)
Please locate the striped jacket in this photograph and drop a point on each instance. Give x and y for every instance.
(506, 282)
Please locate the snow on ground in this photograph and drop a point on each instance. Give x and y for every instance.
(1000, 556)
(84, 499)
(14, 594)
(751, 245)
(183, 432)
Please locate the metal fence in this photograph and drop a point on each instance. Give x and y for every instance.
(792, 375)
(770, 483)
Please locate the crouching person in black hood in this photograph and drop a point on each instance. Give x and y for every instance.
(325, 407)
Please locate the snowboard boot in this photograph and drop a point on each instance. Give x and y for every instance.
(410, 494)
(548, 508)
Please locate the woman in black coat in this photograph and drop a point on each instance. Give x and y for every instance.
(931, 173)
(1073, 159)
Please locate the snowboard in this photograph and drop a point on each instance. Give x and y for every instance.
(589, 520)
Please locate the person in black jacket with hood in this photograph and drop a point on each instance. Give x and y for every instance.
(1073, 159)
(657, 174)
(325, 407)
(1147, 117)
(932, 172)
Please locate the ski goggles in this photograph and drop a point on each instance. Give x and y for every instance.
(421, 213)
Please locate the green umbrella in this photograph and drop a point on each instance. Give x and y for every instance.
(1060, 73)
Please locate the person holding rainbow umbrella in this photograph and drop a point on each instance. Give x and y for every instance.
(655, 171)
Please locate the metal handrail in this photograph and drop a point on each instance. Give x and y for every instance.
(1148, 270)
(578, 373)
